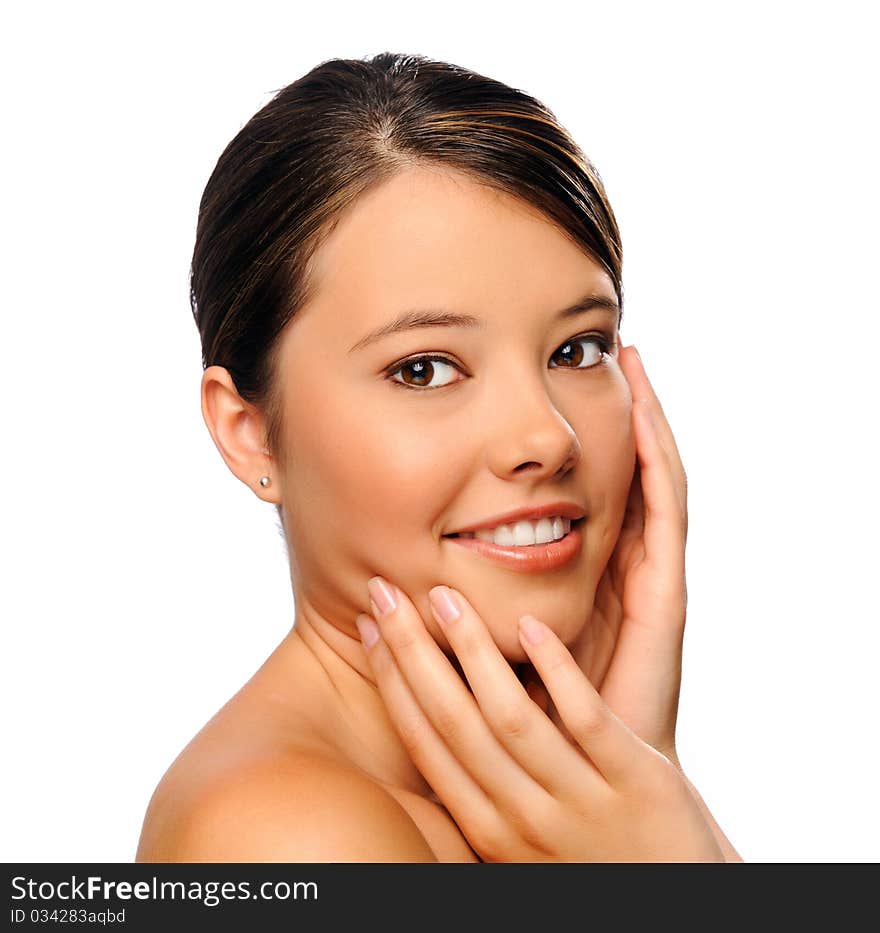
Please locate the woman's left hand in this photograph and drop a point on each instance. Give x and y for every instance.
(631, 650)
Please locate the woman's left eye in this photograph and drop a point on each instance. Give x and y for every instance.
(572, 356)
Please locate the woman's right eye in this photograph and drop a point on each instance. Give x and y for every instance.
(422, 370)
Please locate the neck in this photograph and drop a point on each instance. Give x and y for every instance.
(322, 678)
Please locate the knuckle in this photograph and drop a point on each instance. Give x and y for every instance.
(512, 722)
(490, 839)
(400, 638)
(447, 722)
(589, 723)
(412, 733)
(534, 825)
(555, 661)
(468, 642)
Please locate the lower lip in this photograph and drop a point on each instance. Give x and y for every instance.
(532, 558)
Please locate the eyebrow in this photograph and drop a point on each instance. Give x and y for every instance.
(410, 320)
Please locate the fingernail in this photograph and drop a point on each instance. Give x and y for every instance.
(445, 604)
(646, 408)
(368, 629)
(533, 630)
(382, 594)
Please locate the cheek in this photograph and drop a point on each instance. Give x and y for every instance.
(371, 470)
(397, 465)
(609, 445)
(610, 451)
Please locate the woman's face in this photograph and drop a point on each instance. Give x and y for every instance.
(387, 455)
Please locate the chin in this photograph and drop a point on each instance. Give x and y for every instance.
(567, 625)
(564, 614)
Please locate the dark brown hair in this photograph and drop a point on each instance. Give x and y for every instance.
(282, 183)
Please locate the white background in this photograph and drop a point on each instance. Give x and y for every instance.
(142, 584)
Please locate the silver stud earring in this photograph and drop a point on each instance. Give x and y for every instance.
(264, 481)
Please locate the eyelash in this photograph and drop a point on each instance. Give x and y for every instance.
(606, 344)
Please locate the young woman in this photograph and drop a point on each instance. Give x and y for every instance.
(407, 282)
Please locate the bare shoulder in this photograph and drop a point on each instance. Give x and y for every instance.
(296, 807)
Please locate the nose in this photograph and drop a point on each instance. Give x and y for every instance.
(529, 436)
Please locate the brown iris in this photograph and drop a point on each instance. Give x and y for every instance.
(422, 369)
(573, 347)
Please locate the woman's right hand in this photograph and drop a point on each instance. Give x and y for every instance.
(518, 789)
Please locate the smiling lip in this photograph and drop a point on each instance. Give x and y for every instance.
(530, 558)
(526, 513)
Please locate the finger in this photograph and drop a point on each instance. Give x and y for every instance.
(665, 516)
(526, 732)
(460, 794)
(641, 388)
(615, 750)
(662, 483)
(448, 705)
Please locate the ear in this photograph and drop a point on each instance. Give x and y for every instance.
(239, 430)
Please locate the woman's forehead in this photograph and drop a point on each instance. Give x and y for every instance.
(428, 239)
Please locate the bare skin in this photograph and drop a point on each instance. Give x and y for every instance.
(308, 761)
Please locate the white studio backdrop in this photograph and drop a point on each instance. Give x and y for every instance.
(143, 584)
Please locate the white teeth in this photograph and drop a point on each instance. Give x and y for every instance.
(544, 531)
(504, 536)
(524, 533)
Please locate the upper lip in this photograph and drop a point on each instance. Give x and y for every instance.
(525, 513)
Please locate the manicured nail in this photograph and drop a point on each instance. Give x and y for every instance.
(382, 594)
(445, 604)
(533, 630)
(368, 629)
(646, 408)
